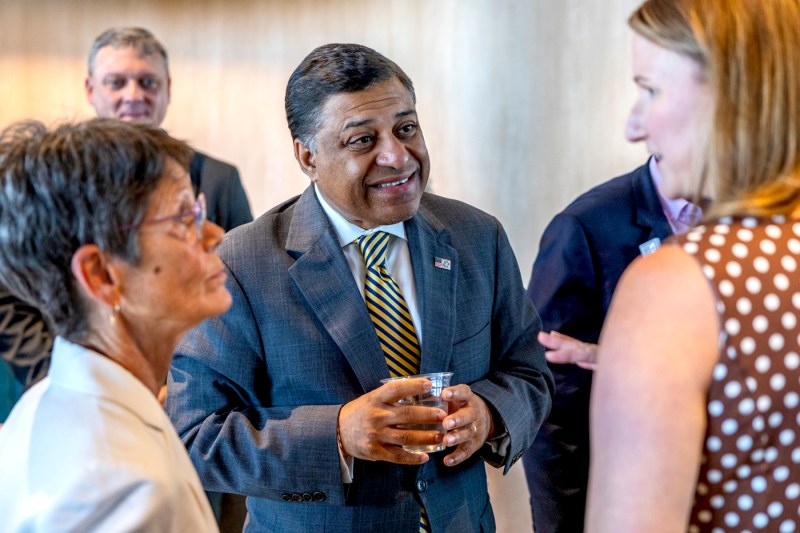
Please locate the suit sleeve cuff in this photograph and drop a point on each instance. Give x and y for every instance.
(346, 466)
(495, 450)
(345, 462)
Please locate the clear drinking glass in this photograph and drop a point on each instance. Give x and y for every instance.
(440, 381)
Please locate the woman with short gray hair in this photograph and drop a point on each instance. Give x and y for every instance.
(101, 231)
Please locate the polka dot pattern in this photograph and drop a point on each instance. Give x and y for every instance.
(750, 474)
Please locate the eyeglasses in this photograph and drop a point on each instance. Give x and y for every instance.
(196, 216)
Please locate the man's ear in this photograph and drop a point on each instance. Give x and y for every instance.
(169, 89)
(96, 274)
(87, 84)
(305, 157)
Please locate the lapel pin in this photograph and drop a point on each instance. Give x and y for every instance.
(440, 262)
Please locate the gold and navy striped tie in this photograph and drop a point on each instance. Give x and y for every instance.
(387, 308)
(389, 313)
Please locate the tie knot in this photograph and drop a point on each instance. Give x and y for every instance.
(373, 247)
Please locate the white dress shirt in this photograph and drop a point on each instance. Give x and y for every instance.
(89, 448)
(398, 258)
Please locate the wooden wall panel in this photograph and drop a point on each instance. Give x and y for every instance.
(522, 102)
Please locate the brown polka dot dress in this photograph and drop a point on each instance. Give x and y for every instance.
(750, 473)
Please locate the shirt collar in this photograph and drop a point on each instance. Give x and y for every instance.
(82, 369)
(680, 212)
(346, 231)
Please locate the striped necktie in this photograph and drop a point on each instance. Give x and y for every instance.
(387, 308)
(389, 313)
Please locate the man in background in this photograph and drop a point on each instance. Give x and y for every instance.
(582, 255)
(129, 79)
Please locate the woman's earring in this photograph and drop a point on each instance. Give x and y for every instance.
(114, 313)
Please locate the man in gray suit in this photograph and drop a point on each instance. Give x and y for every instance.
(281, 398)
(129, 79)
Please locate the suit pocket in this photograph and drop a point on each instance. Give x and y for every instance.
(471, 355)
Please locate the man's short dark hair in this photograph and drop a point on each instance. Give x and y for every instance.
(73, 185)
(332, 69)
(138, 38)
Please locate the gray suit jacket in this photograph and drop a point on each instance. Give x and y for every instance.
(255, 393)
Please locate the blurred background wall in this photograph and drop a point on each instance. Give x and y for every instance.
(522, 102)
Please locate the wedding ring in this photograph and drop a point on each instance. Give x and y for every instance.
(474, 427)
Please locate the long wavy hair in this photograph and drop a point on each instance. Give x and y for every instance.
(749, 51)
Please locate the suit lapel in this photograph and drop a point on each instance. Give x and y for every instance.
(436, 287)
(649, 212)
(323, 277)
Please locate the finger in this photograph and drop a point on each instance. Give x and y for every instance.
(393, 391)
(461, 435)
(459, 419)
(558, 342)
(461, 454)
(573, 351)
(560, 336)
(549, 340)
(559, 357)
(414, 414)
(457, 393)
(431, 435)
(397, 455)
(587, 365)
(469, 444)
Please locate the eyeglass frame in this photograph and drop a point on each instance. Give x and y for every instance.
(198, 211)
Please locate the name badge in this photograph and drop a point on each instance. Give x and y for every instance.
(650, 246)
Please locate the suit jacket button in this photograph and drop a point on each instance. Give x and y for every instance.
(319, 496)
(297, 497)
(286, 497)
(422, 485)
(307, 497)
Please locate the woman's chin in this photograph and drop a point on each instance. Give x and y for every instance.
(212, 305)
(217, 303)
